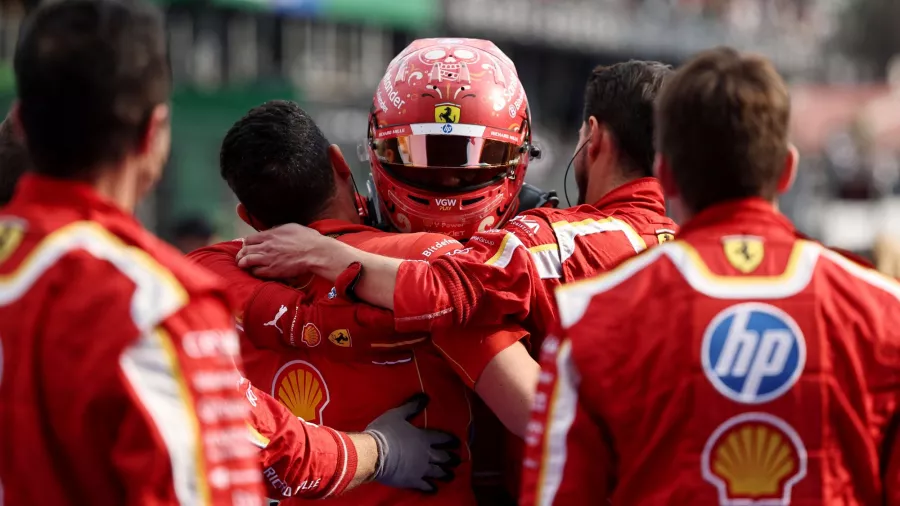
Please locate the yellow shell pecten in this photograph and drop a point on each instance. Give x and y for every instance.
(754, 460)
(301, 392)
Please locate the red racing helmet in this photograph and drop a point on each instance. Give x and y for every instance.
(449, 138)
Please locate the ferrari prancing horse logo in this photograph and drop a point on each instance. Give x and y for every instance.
(744, 252)
(446, 113)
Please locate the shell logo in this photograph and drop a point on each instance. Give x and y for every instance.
(311, 335)
(302, 389)
(754, 459)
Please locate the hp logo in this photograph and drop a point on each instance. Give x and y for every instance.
(753, 353)
(447, 128)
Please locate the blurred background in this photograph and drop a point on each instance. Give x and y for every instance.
(839, 56)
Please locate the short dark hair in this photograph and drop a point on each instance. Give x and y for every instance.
(14, 161)
(723, 124)
(89, 74)
(275, 159)
(621, 97)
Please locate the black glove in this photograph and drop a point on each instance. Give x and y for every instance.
(410, 457)
(532, 197)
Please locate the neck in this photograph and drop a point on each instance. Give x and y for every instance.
(342, 207)
(683, 213)
(120, 185)
(603, 182)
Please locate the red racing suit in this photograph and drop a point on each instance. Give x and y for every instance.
(101, 410)
(741, 364)
(117, 384)
(325, 373)
(511, 273)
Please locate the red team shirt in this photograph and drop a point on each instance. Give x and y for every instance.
(117, 384)
(739, 365)
(324, 374)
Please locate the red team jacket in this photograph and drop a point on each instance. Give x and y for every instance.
(117, 383)
(324, 374)
(739, 365)
(117, 379)
(511, 273)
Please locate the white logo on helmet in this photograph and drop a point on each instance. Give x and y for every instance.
(486, 223)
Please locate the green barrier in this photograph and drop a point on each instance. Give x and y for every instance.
(394, 13)
(400, 14)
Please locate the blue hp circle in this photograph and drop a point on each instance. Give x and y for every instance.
(753, 353)
(447, 128)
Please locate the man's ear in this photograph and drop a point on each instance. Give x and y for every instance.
(338, 162)
(789, 174)
(595, 137)
(245, 216)
(159, 120)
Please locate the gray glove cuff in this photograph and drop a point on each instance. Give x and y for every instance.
(382, 447)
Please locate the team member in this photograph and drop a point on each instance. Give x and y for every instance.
(770, 365)
(69, 243)
(510, 273)
(342, 381)
(105, 331)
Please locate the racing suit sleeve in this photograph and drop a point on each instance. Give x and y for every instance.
(499, 275)
(298, 459)
(567, 459)
(366, 325)
(183, 427)
(277, 312)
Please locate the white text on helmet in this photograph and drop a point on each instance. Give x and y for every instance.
(445, 204)
(393, 95)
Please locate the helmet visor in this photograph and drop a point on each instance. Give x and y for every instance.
(444, 179)
(446, 152)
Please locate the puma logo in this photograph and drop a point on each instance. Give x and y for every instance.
(274, 322)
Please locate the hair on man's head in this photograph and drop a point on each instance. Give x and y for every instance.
(275, 159)
(621, 97)
(723, 124)
(89, 74)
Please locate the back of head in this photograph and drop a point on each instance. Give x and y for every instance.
(723, 128)
(14, 161)
(89, 74)
(621, 97)
(275, 159)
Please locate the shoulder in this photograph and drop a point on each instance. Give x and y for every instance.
(158, 278)
(627, 284)
(225, 248)
(533, 227)
(854, 271)
(220, 258)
